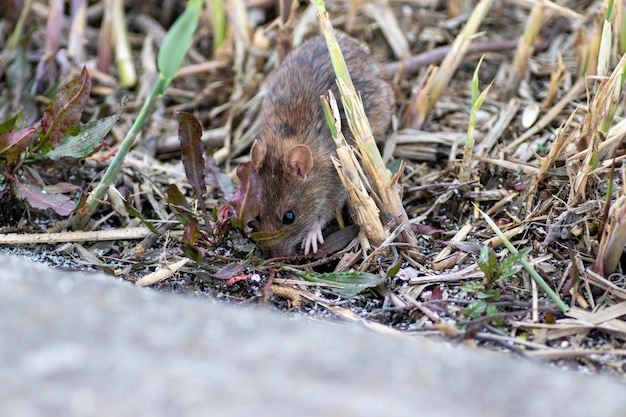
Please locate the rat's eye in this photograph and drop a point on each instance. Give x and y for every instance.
(289, 217)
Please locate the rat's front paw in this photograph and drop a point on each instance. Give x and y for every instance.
(312, 237)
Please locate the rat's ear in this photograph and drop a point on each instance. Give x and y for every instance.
(301, 161)
(257, 154)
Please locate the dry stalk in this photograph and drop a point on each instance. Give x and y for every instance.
(451, 62)
(550, 116)
(526, 47)
(563, 138)
(362, 206)
(620, 19)
(556, 80)
(383, 186)
(613, 139)
(161, 274)
(593, 130)
(594, 47)
(583, 52)
(606, 40)
(384, 16)
(613, 239)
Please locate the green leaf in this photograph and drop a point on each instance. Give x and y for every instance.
(471, 287)
(178, 40)
(84, 143)
(488, 263)
(511, 265)
(475, 82)
(9, 124)
(133, 212)
(492, 310)
(330, 119)
(393, 271)
(475, 309)
(509, 272)
(488, 294)
(346, 284)
(87, 141)
(179, 205)
(516, 257)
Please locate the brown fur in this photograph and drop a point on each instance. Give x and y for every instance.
(292, 115)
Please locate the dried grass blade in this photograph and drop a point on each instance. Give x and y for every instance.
(161, 274)
(454, 57)
(526, 47)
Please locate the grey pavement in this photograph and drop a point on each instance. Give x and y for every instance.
(83, 344)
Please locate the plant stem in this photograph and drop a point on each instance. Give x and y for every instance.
(97, 195)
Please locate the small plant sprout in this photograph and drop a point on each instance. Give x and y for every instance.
(527, 266)
(495, 272)
(477, 101)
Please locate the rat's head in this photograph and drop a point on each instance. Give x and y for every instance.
(294, 195)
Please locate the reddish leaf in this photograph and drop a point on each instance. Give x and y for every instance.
(503, 221)
(228, 271)
(54, 28)
(191, 234)
(238, 278)
(426, 229)
(13, 144)
(39, 199)
(247, 199)
(62, 116)
(222, 213)
(437, 294)
(192, 151)
(337, 241)
(190, 239)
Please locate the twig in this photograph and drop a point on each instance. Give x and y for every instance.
(78, 236)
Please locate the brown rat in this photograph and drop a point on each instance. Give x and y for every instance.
(301, 189)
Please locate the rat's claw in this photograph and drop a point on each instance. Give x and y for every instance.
(312, 237)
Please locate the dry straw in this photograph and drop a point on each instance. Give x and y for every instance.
(382, 185)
